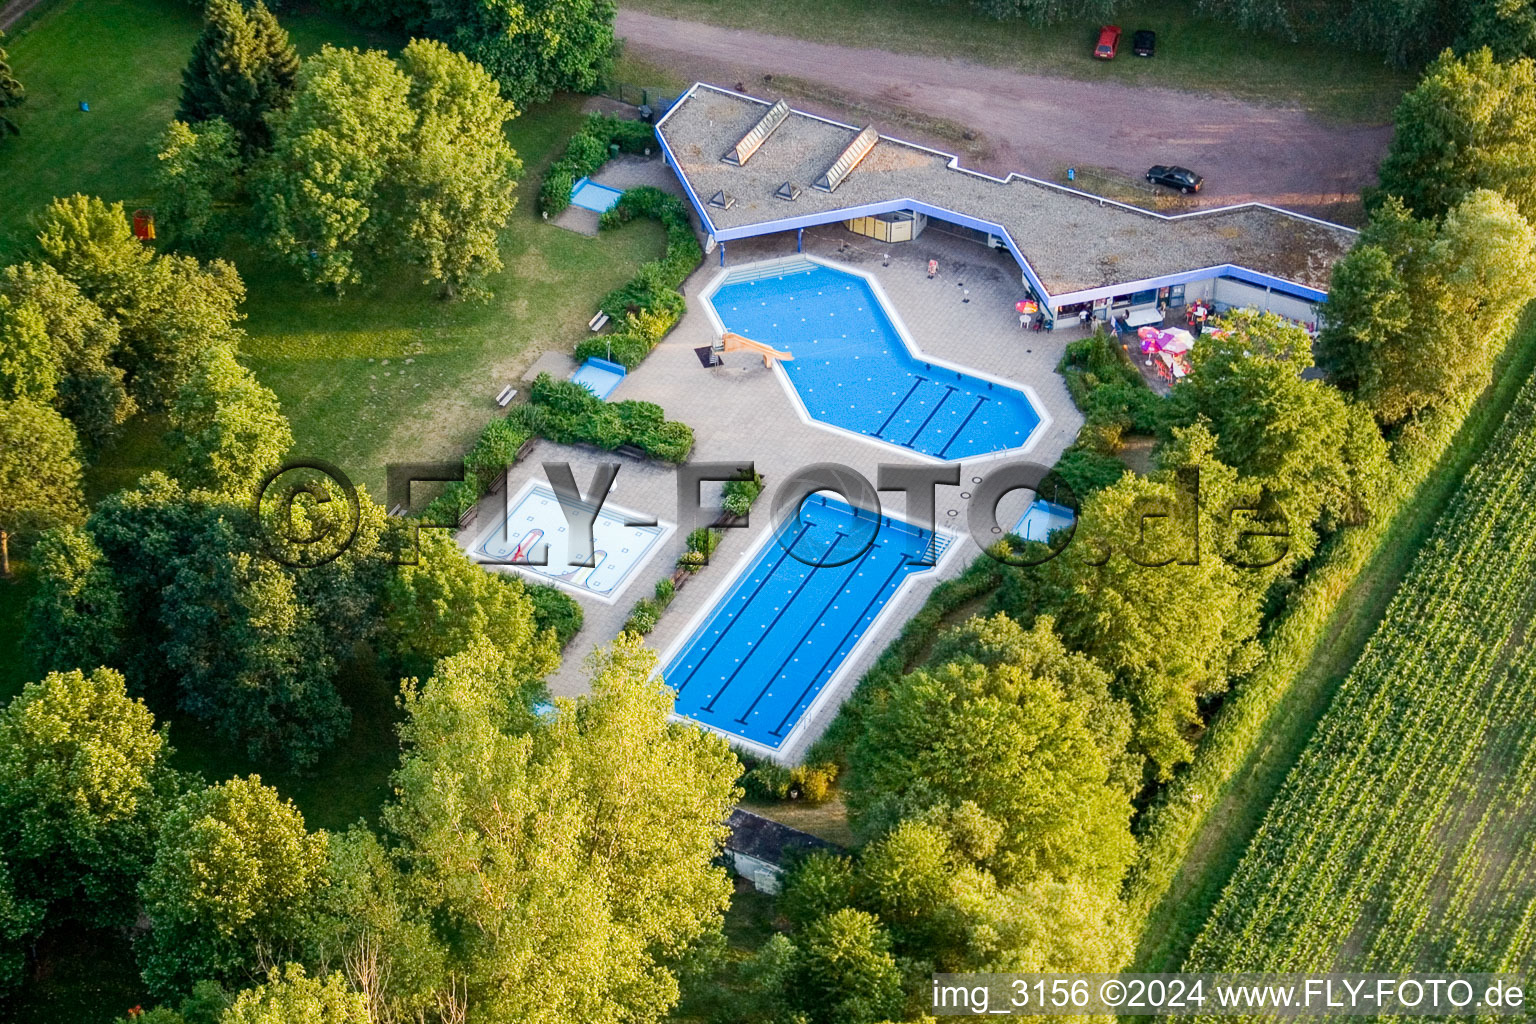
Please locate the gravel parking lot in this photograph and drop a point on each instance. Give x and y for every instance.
(1038, 125)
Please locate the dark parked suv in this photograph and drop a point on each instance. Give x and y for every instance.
(1144, 42)
(1181, 178)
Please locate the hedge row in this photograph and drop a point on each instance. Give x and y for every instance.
(647, 306)
(647, 611)
(587, 151)
(568, 413)
(561, 411)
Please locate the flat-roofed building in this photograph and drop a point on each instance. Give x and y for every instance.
(1074, 250)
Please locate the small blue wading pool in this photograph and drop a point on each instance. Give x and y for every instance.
(589, 195)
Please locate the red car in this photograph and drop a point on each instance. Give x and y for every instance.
(1109, 42)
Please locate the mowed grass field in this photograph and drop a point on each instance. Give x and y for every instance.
(1193, 53)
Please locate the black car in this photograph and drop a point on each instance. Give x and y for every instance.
(1181, 178)
(1144, 42)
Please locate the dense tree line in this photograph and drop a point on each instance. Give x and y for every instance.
(345, 164)
(992, 782)
(533, 48)
(96, 327)
(1404, 34)
(518, 846)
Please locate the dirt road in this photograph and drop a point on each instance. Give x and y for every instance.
(1038, 125)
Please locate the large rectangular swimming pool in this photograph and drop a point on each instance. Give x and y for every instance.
(769, 646)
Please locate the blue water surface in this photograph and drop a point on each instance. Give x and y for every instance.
(853, 370)
(589, 195)
(784, 627)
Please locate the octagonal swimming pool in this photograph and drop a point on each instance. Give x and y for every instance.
(853, 368)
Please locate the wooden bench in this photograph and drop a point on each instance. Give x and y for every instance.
(507, 394)
(598, 321)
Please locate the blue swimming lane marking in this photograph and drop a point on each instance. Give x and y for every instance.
(793, 614)
(768, 629)
(980, 401)
(821, 615)
(784, 552)
(795, 709)
(949, 389)
(917, 382)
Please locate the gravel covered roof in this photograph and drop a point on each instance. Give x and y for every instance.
(1072, 241)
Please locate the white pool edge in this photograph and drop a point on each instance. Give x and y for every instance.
(798, 403)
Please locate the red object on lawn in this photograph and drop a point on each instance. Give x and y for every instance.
(1109, 43)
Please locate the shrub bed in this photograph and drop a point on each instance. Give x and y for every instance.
(647, 611)
(648, 305)
(587, 151)
(767, 780)
(564, 411)
(561, 411)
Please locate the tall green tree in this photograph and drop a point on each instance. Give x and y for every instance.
(29, 365)
(1469, 123)
(444, 603)
(196, 180)
(234, 637)
(169, 310)
(570, 862)
(75, 618)
(534, 48)
(842, 971)
(235, 879)
(243, 68)
(42, 312)
(1008, 738)
(323, 193)
(369, 929)
(1134, 556)
(39, 472)
(227, 429)
(459, 173)
(12, 93)
(379, 163)
(1419, 309)
(289, 996)
(1316, 453)
(248, 655)
(84, 782)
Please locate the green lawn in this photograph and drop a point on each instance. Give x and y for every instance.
(123, 58)
(1193, 53)
(387, 373)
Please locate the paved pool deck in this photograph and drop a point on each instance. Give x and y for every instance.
(740, 411)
